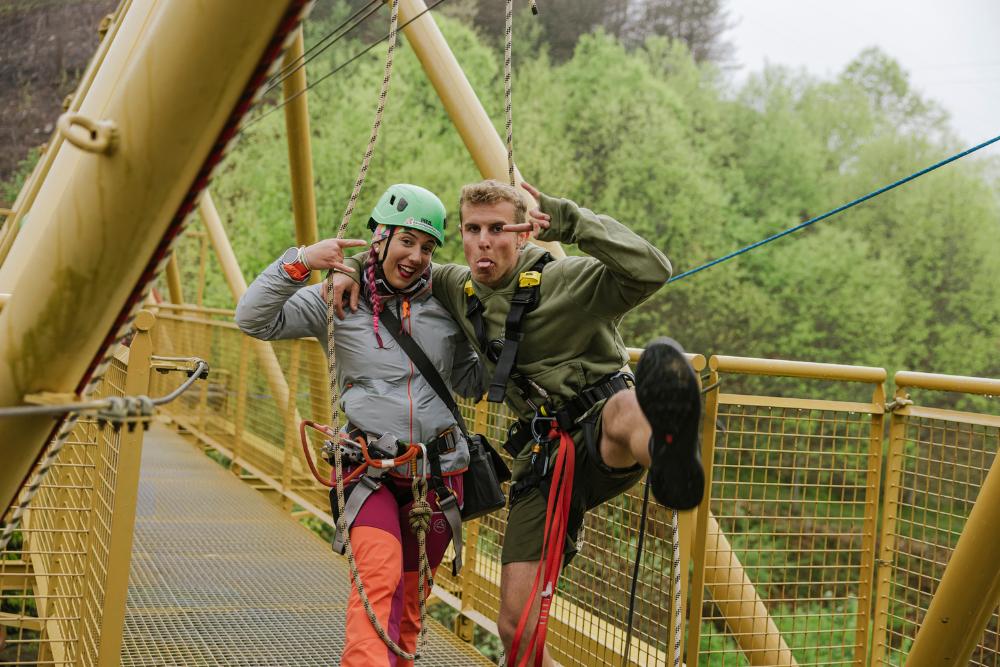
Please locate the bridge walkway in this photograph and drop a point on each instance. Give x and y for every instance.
(221, 576)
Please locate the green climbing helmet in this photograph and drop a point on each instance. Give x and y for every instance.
(405, 205)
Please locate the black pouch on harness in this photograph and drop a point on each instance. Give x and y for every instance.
(481, 482)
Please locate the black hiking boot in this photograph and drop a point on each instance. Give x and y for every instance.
(667, 389)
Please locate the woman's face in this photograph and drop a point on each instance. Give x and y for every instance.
(410, 252)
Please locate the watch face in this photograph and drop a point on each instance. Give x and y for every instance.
(290, 256)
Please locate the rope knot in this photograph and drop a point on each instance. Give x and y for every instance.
(420, 515)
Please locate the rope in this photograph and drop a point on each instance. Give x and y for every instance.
(676, 566)
(335, 70)
(420, 512)
(635, 573)
(507, 93)
(857, 201)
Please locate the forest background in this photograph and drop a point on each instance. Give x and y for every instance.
(626, 108)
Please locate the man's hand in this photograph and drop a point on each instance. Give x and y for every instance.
(537, 221)
(329, 254)
(343, 286)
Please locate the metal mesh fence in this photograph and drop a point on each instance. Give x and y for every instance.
(786, 571)
(938, 461)
(794, 489)
(53, 577)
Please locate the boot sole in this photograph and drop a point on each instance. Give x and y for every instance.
(669, 396)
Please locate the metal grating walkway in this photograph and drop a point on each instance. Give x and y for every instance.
(221, 576)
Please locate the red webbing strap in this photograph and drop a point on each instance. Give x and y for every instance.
(554, 541)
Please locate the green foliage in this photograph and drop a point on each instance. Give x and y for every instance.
(908, 280)
(10, 188)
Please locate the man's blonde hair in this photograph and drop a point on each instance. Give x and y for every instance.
(492, 192)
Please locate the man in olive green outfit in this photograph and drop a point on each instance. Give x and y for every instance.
(566, 361)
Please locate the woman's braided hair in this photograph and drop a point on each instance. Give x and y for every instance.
(371, 290)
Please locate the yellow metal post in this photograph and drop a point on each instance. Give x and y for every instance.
(291, 423)
(199, 297)
(300, 149)
(866, 584)
(459, 99)
(887, 538)
(101, 224)
(697, 590)
(174, 280)
(126, 494)
(241, 402)
(303, 194)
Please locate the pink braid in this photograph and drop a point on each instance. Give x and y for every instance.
(373, 297)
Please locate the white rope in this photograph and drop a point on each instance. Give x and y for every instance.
(675, 537)
(507, 94)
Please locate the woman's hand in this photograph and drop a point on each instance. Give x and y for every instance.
(329, 254)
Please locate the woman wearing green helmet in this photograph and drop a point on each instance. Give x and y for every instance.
(383, 396)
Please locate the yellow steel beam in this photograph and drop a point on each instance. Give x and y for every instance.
(970, 587)
(737, 599)
(101, 225)
(459, 99)
(174, 280)
(300, 149)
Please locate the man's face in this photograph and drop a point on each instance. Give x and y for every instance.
(491, 252)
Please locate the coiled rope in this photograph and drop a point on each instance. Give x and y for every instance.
(420, 512)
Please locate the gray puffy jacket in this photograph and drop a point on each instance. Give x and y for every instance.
(378, 386)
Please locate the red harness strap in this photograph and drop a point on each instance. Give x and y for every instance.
(554, 541)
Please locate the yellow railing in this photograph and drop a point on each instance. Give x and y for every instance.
(64, 580)
(783, 566)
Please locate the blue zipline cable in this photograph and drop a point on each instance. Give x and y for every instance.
(834, 211)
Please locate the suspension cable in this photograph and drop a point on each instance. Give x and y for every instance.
(111, 405)
(334, 71)
(318, 48)
(846, 206)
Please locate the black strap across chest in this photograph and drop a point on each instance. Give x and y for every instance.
(524, 300)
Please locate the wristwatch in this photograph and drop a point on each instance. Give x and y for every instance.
(294, 262)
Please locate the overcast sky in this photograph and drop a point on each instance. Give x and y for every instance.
(951, 49)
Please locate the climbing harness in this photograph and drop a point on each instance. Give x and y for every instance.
(117, 411)
(503, 352)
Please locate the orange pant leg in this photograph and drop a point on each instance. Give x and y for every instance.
(379, 558)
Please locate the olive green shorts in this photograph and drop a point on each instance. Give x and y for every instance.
(593, 483)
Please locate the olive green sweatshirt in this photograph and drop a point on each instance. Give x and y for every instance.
(571, 339)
